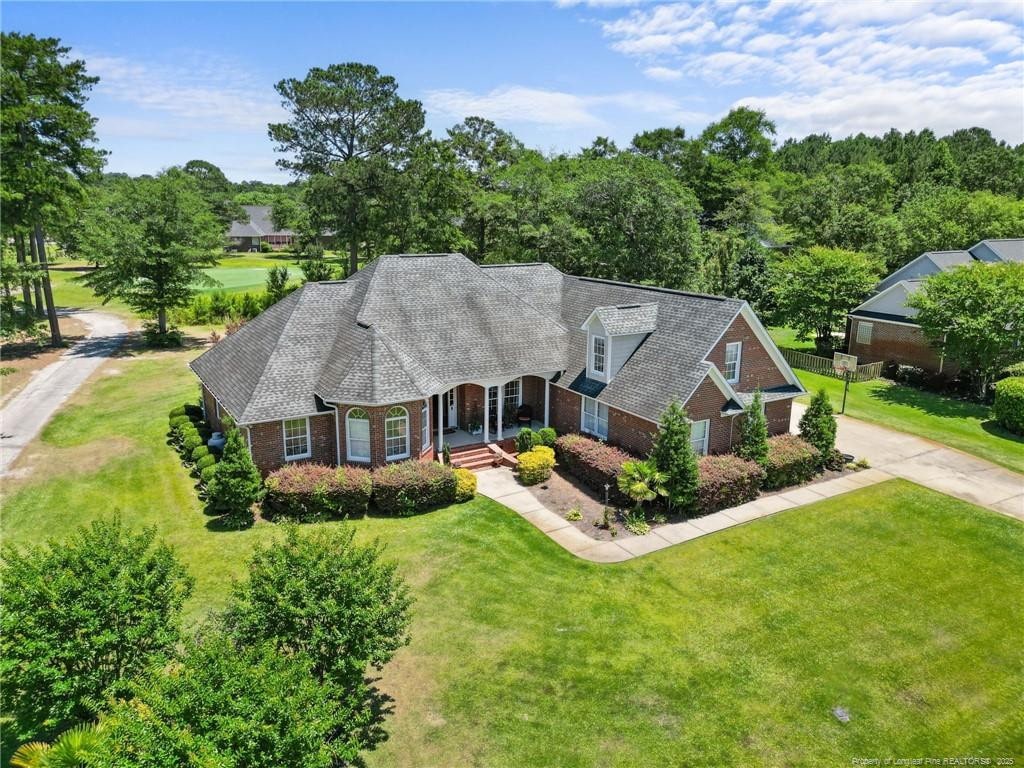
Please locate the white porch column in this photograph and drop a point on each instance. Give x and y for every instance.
(501, 410)
(547, 401)
(487, 414)
(440, 429)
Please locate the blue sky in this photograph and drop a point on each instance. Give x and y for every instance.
(195, 80)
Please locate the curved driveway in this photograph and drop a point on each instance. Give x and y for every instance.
(28, 411)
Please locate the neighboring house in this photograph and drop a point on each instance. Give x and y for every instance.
(418, 351)
(884, 328)
(247, 235)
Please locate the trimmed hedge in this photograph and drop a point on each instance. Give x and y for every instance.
(206, 461)
(206, 473)
(1008, 407)
(465, 485)
(412, 486)
(309, 491)
(791, 461)
(593, 463)
(546, 436)
(535, 465)
(199, 452)
(175, 412)
(727, 481)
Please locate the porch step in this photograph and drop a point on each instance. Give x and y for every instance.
(477, 457)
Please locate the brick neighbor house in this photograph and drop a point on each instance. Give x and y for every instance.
(258, 228)
(416, 352)
(883, 327)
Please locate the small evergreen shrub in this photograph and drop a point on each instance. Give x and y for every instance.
(408, 487)
(235, 484)
(193, 411)
(199, 452)
(535, 465)
(1017, 369)
(753, 444)
(818, 427)
(727, 481)
(179, 411)
(190, 443)
(309, 491)
(547, 436)
(206, 473)
(1008, 407)
(674, 456)
(525, 440)
(206, 461)
(593, 463)
(465, 485)
(791, 461)
(176, 422)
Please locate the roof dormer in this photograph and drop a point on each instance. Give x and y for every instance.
(613, 334)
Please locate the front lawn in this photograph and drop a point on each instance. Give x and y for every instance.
(894, 602)
(963, 425)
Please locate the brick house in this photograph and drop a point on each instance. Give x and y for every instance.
(258, 228)
(416, 352)
(883, 327)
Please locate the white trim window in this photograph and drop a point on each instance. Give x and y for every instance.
(594, 418)
(357, 435)
(733, 357)
(864, 332)
(396, 434)
(425, 426)
(599, 354)
(513, 397)
(296, 439)
(700, 431)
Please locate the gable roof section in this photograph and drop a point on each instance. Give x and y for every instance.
(1003, 249)
(259, 223)
(627, 319)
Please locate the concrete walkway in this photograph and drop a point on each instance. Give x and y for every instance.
(26, 414)
(892, 454)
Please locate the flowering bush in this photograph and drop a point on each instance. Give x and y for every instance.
(791, 461)
(408, 487)
(314, 491)
(727, 481)
(594, 463)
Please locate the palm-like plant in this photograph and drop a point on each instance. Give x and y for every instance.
(642, 481)
(72, 749)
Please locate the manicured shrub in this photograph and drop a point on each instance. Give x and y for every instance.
(535, 465)
(408, 487)
(176, 422)
(727, 481)
(190, 443)
(193, 411)
(1008, 407)
(206, 473)
(183, 430)
(179, 411)
(547, 436)
(673, 455)
(199, 452)
(236, 484)
(1017, 369)
(818, 427)
(309, 492)
(525, 440)
(593, 463)
(791, 461)
(753, 444)
(206, 461)
(465, 485)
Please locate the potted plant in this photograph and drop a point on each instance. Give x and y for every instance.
(475, 425)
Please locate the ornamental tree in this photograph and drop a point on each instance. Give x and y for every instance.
(818, 424)
(82, 616)
(753, 444)
(815, 289)
(236, 484)
(673, 455)
(974, 315)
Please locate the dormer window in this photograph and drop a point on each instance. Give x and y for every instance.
(598, 354)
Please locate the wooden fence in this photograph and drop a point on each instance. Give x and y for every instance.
(823, 365)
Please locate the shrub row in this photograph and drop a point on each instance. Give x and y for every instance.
(593, 463)
(536, 464)
(527, 438)
(408, 487)
(727, 481)
(308, 492)
(189, 435)
(791, 461)
(1008, 407)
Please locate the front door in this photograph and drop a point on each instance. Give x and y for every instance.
(451, 416)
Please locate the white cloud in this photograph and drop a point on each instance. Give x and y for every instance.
(943, 63)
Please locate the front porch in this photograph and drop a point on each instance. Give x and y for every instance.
(461, 438)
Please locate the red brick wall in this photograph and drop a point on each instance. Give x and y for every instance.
(377, 415)
(631, 432)
(471, 404)
(565, 410)
(778, 413)
(706, 402)
(757, 371)
(533, 395)
(210, 404)
(906, 344)
(267, 442)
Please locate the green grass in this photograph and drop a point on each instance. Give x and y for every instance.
(729, 650)
(966, 426)
(241, 279)
(785, 338)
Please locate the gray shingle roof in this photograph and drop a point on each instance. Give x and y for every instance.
(1005, 249)
(406, 327)
(947, 260)
(628, 319)
(258, 225)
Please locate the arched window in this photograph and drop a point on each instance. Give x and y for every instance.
(396, 434)
(424, 426)
(357, 435)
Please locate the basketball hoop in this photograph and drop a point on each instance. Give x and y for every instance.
(845, 367)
